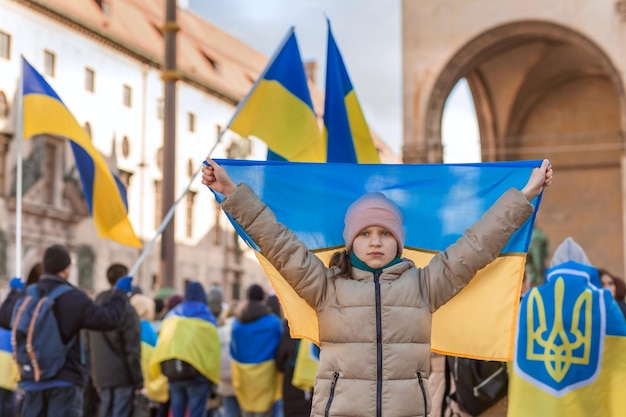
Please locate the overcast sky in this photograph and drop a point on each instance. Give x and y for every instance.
(367, 32)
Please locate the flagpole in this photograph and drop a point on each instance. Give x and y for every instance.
(170, 213)
(19, 132)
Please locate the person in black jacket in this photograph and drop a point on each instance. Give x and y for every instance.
(115, 355)
(62, 395)
(296, 403)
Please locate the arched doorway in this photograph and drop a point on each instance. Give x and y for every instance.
(545, 91)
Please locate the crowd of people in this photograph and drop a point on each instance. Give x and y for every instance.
(124, 358)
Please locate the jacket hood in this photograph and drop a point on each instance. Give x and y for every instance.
(569, 250)
(253, 311)
(195, 292)
(193, 309)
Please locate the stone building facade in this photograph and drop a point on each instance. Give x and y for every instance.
(547, 80)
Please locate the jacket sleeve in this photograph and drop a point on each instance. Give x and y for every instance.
(451, 270)
(304, 271)
(131, 342)
(95, 317)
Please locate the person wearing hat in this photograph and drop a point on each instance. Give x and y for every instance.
(255, 337)
(115, 356)
(63, 394)
(374, 308)
(188, 353)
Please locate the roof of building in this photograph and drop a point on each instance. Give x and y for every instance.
(206, 55)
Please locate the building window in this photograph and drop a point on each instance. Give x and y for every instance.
(88, 129)
(158, 202)
(191, 168)
(191, 196)
(218, 131)
(236, 286)
(4, 106)
(125, 147)
(5, 45)
(191, 122)
(128, 95)
(52, 156)
(90, 80)
(49, 63)
(160, 108)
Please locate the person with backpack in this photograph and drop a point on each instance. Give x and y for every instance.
(115, 356)
(375, 308)
(53, 376)
(188, 353)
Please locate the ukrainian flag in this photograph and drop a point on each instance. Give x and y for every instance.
(346, 132)
(45, 113)
(570, 355)
(307, 362)
(156, 386)
(191, 340)
(256, 379)
(439, 202)
(279, 111)
(8, 369)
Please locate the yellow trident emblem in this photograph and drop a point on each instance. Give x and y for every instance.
(558, 349)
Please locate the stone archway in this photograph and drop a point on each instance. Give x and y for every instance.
(529, 42)
(543, 90)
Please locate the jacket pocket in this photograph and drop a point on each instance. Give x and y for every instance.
(420, 380)
(331, 394)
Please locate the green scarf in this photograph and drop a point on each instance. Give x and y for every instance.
(357, 263)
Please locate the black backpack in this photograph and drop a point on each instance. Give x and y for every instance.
(479, 384)
(178, 370)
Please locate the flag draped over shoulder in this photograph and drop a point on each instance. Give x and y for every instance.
(9, 373)
(192, 340)
(45, 113)
(279, 111)
(439, 201)
(348, 137)
(570, 353)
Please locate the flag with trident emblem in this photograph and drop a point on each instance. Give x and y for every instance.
(570, 355)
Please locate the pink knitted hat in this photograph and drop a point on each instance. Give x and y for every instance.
(373, 209)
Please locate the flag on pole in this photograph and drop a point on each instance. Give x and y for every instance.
(570, 350)
(348, 138)
(439, 202)
(278, 109)
(44, 112)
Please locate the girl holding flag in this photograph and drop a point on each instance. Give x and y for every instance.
(375, 308)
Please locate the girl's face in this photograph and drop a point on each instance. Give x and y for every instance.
(375, 246)
(607, 283)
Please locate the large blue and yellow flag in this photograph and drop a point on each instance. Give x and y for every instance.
(348, 138)
(570, 354)
(439, 202)
(45, 113)
(279, 111)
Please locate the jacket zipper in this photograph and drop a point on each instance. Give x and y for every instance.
(332, 393)
(379, 346)
(423, 388)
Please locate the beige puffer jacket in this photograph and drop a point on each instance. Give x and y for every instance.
(375, 331)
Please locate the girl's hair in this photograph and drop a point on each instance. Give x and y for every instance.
(620, 285)
(341, 259)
